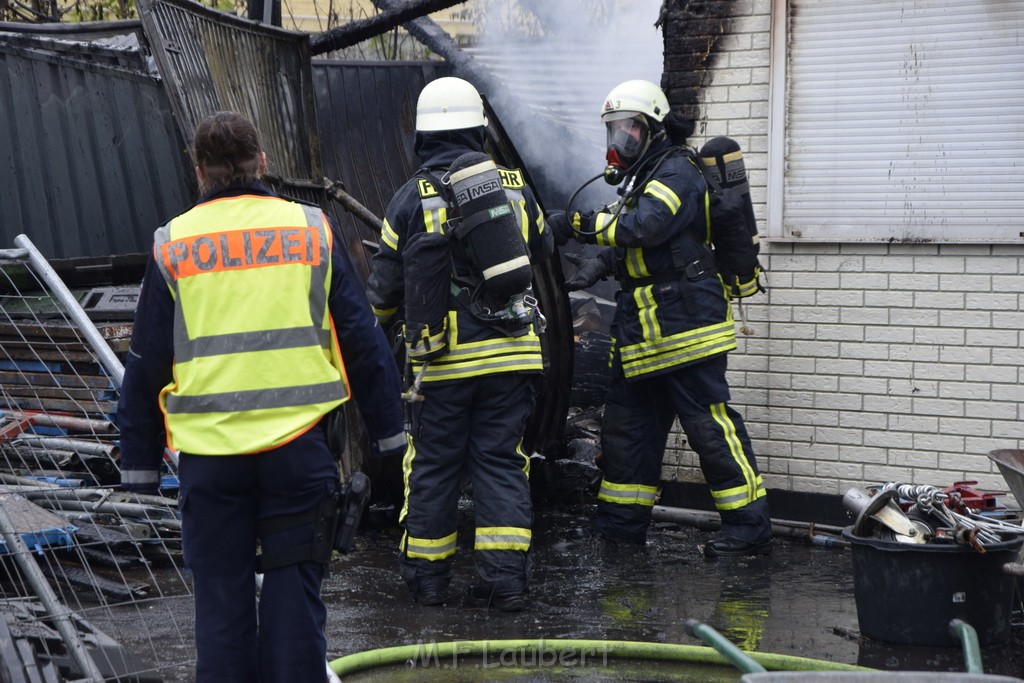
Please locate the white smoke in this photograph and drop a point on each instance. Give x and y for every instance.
(557, 60)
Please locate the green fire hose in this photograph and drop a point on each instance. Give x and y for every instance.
(968, 638)
(622, 649)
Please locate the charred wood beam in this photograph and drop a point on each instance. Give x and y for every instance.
(437, 39)
(396, 14)
(336, 191)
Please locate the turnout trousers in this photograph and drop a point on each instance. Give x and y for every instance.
(472, 426)
(221, 498)
(637, 419)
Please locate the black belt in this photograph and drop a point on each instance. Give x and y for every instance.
(704, 267)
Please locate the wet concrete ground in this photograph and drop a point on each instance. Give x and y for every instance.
(798, 601)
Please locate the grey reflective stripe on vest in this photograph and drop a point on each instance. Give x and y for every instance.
(318, 287)
(137, 477)
(264, 340)
(257, 399)
(392, 442)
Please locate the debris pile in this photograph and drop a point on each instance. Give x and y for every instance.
(919, 514)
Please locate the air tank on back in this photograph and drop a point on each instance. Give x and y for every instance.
(487, 227)
(723, 162)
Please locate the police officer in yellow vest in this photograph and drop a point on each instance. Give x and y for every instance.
(251, 328)
(478, 389)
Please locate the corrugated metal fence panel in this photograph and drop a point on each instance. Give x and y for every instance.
(367, 114)
(904, 121)
(120, 31)
(90, 159)
(213, 61)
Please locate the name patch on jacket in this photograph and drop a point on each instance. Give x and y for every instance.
(239, 249)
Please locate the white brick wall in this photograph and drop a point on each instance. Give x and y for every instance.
(869, 362)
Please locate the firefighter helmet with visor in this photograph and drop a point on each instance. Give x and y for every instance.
(449, 104)
(631, 112)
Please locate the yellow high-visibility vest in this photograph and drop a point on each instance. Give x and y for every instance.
(256, 358)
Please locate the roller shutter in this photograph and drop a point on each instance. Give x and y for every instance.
(904, 121)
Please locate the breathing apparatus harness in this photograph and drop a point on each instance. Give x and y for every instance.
(691, 269)
(518, 307)
(613, 175)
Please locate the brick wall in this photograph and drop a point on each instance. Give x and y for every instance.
(869, 362)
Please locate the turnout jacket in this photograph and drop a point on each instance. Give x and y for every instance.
(209, 389)
(475, 348)
(672, 308)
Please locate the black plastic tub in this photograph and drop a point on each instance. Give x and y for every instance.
(907, 593)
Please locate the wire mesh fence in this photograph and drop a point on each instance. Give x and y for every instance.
(92, 583)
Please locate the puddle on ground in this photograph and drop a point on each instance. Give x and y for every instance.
(797, 602)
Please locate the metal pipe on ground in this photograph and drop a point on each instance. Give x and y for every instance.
(81, 424)
(818, 534)
(54, 608)
(81, 446)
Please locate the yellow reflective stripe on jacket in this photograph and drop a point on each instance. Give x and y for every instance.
(676, 349)
(435, 213)
(485, 357)
(605, 227)
(502, 538)
(518, 201)
(647, 310)
(636, 266)
(252, 370)
(627, 494)
(429, 548)
(384, 313)
(388, 235)
(661, 191)
(745, 289)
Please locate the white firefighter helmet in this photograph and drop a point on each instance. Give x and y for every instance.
(633, 97)
(632, 114)
(449, 104)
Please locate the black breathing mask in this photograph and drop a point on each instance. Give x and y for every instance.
(628, 138)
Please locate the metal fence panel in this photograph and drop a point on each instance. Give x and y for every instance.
(90, 159)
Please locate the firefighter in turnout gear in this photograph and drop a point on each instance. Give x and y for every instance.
(672, 329)
(252, 328)
(474, 346)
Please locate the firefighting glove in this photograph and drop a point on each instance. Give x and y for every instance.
(561, 229)
(589, 270)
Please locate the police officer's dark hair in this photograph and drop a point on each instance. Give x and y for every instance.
(227, 147)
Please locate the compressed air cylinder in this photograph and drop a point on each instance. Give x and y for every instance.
(723, 162)
(487, 227)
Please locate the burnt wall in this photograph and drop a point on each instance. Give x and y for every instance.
(691, 30)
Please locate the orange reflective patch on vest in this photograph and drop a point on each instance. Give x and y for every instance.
(241, 249)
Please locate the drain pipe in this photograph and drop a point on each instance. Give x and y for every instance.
(817, 534)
